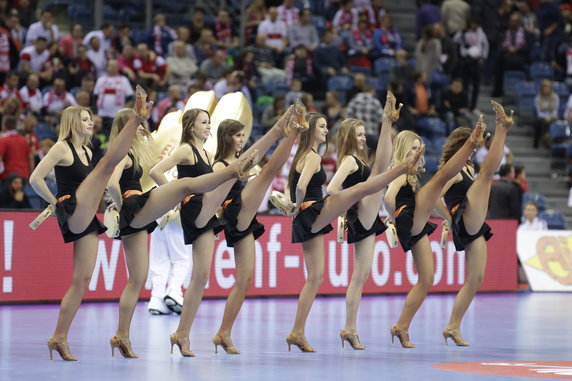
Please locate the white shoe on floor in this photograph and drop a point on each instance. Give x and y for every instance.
(157, 306)
(174, 301)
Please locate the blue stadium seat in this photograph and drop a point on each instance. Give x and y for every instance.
(431, 127)
(510, 80)
(360, 69)
(383, 65)
(438, 144)
(554, 219)
(537, 198)
(526, 108)
(341, 84)
(35, 200)
(431, 163)
(541, 70)
(560, 130)
(525, 88)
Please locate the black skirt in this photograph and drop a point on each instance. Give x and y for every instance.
(64, 210)
(131, 206)
(230, 216)
(460, 235)
(302, 223)
(189, 213)
(356, 231)
(403, 225)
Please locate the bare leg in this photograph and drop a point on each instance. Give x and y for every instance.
(314, 259)
(203, 248)
(90, 191)
(212, 202)
(363, 259)
(84, 257)
(244, 258)
(254, 192)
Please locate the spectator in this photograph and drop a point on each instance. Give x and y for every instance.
(127, 62)
(529, 20)
(360, 43)
(329, 59)
(531, 221)
(295, 92)
(10, 89)
(375, 12)
(182, 66)
(15, 152)
(234, 82)
(304, 32)
(112, 90)
(34, 58)
(358, 85)
(57, 99)
(515, 51)
(205, 47)
(99, 140)
(490, 15)
(198, 23)
(550, 25)
(273, 112)
(402, 71)
(83, 98)
(474, 49)
(174, 99)
(275, 31)
(8, 52)
(504, 202)
(88, 85)
(455, 15)
(96, 55)
(29, 124)
(346, 18)
(482, 152)
(215, 68)
(307, 100)
(31, 95)
(26, 13)
(226, 37)
(184, 36)
(546, 105)
(456, 106)
(449, 50)
(520, 178)
(255, 14)
(122, 39)
(364, 106)
(245, 63)
(12, 195)
(12, 107)
(428, 53)
(419, 101)
(299, 66)
(201, 82)
(70, 42)
(333, 109)
(150, 67)
(288, 13)
(44, 28)
(160, 36)
(427, 14)
(105, 36)
(387, 39)
(264, 60)
(17, 32)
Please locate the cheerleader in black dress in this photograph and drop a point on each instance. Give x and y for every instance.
(363, 222)
(411, 209)
(138, 212)
(313, 213)
(80, 189)
(467, 202)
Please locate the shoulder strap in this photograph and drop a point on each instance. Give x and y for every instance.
(208, 159)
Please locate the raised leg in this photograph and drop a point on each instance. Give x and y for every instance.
(363, 259)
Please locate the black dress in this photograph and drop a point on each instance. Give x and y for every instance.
(456, 200)
(192, 205)
(302, 223)
(68, 179)
(131, 181)
(231, 209)
(404, 210)
(356, 231)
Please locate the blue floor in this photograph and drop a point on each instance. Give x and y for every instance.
(523, 327)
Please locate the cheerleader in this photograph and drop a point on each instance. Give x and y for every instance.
(363, 222)
(138, 212)
(198, 211)
(239, 212)
(313, 213)
(80, 189)
(410, 209)
(467, 201)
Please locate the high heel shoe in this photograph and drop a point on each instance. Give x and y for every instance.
(183, 344)
(403, 337)
(124, 346)
(245, 164)
(351, 337)
(62, 348)
(454, 335)
(219, 340)
(300, 342)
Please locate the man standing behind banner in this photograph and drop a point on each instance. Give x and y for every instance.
(111, 89)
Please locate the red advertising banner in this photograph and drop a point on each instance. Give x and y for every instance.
(37, 265)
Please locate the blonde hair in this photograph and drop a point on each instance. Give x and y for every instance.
(347, 140)
(141, 145)
(401, 147)
(69, 122)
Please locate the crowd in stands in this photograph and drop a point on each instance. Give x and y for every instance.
(343, 54)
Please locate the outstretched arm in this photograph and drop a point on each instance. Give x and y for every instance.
(113, 184)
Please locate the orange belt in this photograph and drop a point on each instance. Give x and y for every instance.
(398, 211)
(306, 204)
(187, 199)
(64, 197)
(130, 193)
(454, 209)
(225, 204)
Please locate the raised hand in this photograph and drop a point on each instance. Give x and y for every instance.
(501, 117)
(142, 108)
(389, 111)
(286, 122)
(477, 136)
(411, 163)
(300, 115)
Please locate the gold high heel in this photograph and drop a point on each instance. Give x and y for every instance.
(403, 337)
(63, 350)
(351, 337)
(300, 342)
(219, 340)
(183, 344)
(124, 346)
(454, 335)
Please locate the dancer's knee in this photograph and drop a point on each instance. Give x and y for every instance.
(474, 282)
(81, 282)
(200, 279)
(426, 282)
(244, 283)
(315, 279)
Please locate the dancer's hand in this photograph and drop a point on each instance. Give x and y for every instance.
(300, 115)
(411, 163)
(501, 117)
(285, 123)
(142, 108)
(477, 136)
(390, 113)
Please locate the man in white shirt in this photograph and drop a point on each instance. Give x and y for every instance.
(10, 88)
(112, 89)
(105, 34)
(57, 99)
(31, 94)
(43, 28)
(33, 58)
(96, 54)
(531, 220)
(274, 30)
(288, 13)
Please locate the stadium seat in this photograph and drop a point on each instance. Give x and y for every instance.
(383, 65)
(537, 198)
(431, 127)
(541, 70)
(560, 130)
(526, 109)
(360, 69)
(554, 219)
(525, 88)
(438, 144)
(431, 163)
(510, 80)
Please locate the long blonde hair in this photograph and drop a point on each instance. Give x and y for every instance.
(69, 122)
(347, 140)
(401, 147)
(141, 145)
